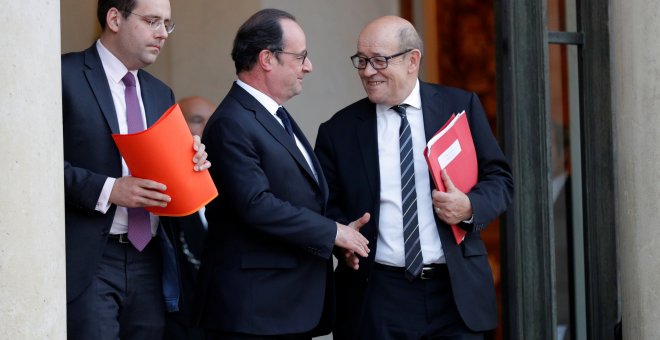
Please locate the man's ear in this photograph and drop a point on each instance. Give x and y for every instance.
(113, 19)
(266, 59)
(415, 60)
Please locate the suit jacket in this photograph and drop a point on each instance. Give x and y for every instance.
(266, 268)
(347, 147)
(91, 156)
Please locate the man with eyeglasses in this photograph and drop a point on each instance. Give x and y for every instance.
(266, 269)
(417, 282)
(121, 267)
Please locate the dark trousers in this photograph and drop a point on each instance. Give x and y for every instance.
(125, 298)
(397, 308)
(178, 330)
(212, 335)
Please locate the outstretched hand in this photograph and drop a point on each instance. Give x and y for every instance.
(352, 242)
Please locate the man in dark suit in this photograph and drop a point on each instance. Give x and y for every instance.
(267, 270)
(120, 281)
(417, 282)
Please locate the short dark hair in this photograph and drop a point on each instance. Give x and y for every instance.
(262, 31)
(124, 6)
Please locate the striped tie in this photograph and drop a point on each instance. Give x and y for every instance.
(412, 248)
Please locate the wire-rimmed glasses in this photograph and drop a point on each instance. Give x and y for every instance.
(156, 23)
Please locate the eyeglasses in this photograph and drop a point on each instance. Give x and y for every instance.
(377, 62)
(156, 23)
(300, 56)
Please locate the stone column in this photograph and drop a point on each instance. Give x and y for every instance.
(636, 74)
(32, 255)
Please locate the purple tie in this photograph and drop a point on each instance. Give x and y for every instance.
(139, 224)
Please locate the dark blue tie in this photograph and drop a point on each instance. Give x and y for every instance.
(284, 116)
(139, 224)
(414, 261)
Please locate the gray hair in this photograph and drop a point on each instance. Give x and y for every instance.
(409, 39)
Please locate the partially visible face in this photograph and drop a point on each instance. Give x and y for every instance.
(139, 45)
(286, 80)
(196, 111)
(389, 86)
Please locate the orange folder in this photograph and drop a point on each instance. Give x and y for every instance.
(452, 148)
(164, 153)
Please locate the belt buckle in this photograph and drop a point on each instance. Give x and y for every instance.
(123, 238)
(426, 273)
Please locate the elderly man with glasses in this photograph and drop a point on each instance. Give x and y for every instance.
(417, 282)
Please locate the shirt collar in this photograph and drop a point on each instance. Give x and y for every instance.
(114, 68)
(263, 99)
(414, 99)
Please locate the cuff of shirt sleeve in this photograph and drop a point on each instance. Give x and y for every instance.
(103, 203)
(470, 221)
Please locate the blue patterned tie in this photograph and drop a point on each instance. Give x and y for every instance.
(414, 261)
(284, 116)
(139, 224)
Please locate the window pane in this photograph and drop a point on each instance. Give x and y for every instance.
(561, 15)
(566, 189)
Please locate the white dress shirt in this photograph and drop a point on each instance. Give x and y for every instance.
(390, 248)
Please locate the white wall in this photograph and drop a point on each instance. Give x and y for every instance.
(32, 262)
(636, 70)
(199, 51)
(79, 25)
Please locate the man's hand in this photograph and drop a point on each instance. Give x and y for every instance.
(200, 155)
(133, 192)
(453, 206)
(352, 242)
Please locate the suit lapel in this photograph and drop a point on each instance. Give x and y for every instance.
(99, 83)
(274, 128)
(149, 99)
(434, 110)
(323, 185)
(277, 131)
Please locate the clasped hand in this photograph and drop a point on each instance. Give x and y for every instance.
(452, 206)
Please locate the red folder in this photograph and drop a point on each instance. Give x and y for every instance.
(452, 148)
(164, 153)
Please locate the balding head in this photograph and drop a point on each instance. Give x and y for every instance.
(398, 49)
(392, 31)
(197, 111)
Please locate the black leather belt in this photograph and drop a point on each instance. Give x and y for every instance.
(429, 271)
(120, 238)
